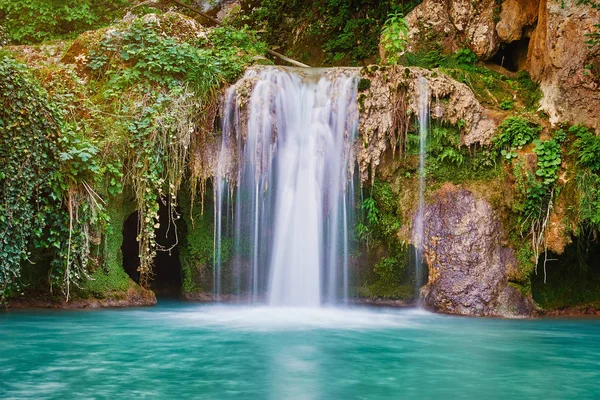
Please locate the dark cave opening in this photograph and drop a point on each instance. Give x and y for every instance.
(512, 56)
(572, 278)
(167, 267)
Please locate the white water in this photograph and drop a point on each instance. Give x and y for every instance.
(423, 108)
(293, 187)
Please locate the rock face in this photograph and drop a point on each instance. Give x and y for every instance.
(454, 24)
(468, 265)
(391, 99)
(558, 57)
(517, 19)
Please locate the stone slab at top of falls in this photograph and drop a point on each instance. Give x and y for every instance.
(376, 108)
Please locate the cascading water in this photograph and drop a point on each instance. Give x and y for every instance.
(286, 162)
(423, 116)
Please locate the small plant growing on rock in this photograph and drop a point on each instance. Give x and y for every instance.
(507, 105)
(515, 133)
(465, 57)
(394, 37)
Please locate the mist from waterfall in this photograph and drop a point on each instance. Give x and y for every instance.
(423, 117)
(284, 190)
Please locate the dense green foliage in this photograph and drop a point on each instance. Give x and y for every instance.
(448, 160)
(33, 21)
(125, 114)
(346, 31)
(379, 222)
(170, 81)
(46, 169)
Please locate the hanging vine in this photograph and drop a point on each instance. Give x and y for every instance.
(44, 203)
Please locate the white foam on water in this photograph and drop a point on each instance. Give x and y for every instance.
(296, 318)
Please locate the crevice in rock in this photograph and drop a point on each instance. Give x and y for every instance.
(166, 279)
(129, 249)
(572, 278)
(512, 56)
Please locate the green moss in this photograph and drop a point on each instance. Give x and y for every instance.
(111, 277)
(361, 102)
(364, 84)
(571, 279)
(197, 246)
(387, 290)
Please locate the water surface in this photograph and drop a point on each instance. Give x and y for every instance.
(182, 350)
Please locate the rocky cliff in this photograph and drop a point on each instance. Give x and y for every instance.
(546, 38)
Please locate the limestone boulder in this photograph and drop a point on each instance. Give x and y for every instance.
(468, 263)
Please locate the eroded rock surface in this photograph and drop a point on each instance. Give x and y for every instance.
(517, 19)
(455, 24)
(468, 264)
(393, 96)
(559, 59)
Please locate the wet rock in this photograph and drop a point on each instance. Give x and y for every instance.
(468, 264)
(134, 297)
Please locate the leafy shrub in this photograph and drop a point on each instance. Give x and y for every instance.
(507, 105)
(586, 147)
(394, 37)
(515, 133)
(32, 21)
(45, 172)
(465, 57)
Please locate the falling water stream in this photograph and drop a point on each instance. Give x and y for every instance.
(423, 116)
(291, 184)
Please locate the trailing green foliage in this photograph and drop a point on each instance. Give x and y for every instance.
(136, 99)
(535, 192)
(110, 278)
(587, 150)
(46, 169)
(33, 21)
(170, 80)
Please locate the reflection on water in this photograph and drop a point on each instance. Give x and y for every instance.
(180, 350)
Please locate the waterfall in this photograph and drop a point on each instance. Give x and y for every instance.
(423, 116)
(286, 164)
